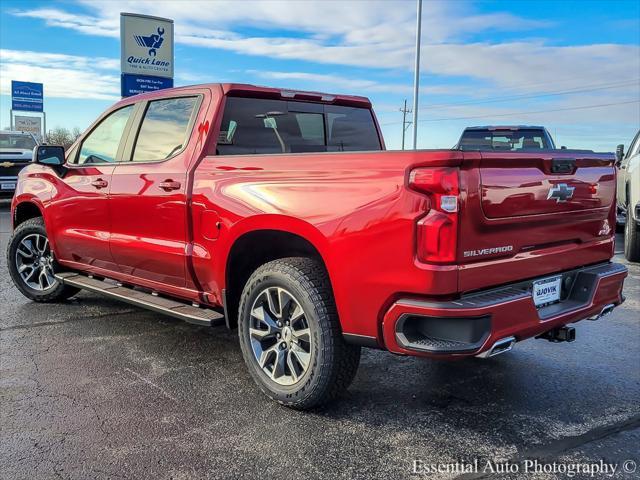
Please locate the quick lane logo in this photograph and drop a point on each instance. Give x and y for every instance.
(488, 251)
(152, 42)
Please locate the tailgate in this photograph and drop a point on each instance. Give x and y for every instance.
(529, 214)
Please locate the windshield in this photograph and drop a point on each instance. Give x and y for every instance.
(16, 140)
(512, 140)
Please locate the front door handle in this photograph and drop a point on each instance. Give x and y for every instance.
(169, 185)
(100, 183)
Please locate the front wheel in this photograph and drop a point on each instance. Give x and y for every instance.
(290, 334)
(32, 266)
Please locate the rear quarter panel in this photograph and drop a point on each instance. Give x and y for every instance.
(353, 207)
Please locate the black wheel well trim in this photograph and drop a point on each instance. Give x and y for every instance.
(26, 211)
(255, 248)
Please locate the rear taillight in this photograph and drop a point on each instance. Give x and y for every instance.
(437, 231)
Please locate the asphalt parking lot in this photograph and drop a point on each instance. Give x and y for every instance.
(98, 389)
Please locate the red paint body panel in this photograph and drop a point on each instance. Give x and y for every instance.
(355, 208)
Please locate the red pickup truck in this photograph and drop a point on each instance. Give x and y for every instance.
(279, 213)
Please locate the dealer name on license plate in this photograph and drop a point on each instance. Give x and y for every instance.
(546, 291)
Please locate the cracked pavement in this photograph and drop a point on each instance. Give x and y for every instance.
(97, 389)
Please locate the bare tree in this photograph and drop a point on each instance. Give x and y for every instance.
(75, 133)
(62, 136)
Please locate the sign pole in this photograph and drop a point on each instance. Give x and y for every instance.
(416, 75)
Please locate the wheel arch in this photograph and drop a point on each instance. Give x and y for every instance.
(24, 211)
(262, 242)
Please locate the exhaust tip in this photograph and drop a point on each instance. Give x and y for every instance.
(604, 312)
(607, 310)
(501, 346)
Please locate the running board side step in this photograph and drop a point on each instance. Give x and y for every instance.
(183, 311)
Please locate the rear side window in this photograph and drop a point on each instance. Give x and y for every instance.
(255, 126)
(350, 129)
(101, 145)
(165, 129)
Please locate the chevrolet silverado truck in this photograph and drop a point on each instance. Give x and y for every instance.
(16, 152)
(280, 213)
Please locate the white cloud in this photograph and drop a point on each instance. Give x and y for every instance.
(370, 34)
(90, 25)
(64, 76)
(344, 85)
(379, 36)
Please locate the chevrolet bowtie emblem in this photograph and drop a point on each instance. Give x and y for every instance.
(560, 192)
(7, 164)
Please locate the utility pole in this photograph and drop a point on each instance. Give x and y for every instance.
(416, 75)
(405, 124)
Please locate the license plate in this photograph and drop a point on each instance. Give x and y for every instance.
(7, 186)
(546, 291)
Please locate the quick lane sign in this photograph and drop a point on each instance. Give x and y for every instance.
(26, 96)
(146, 45)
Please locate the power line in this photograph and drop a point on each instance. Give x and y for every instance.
(521, 113)
(529, 113)
(555, 83)
(605, 86)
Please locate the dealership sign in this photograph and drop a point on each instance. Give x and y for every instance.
(146, 45)
(135, 84)
(26, 96)
(28, 124)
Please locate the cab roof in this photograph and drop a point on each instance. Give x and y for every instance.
(247, 90)
(506, 127)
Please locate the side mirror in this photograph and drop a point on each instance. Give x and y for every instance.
(619, 154)
(52, 155)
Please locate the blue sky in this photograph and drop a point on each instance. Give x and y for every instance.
(577, 63)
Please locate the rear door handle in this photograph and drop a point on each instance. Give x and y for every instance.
(100, 183)
(169, 185)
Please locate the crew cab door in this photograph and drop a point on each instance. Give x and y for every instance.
(149, 192)
(80, 214)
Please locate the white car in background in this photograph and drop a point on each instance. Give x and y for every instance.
(628, 197)
(16, 151)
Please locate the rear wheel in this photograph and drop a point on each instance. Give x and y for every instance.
(290, 334)
(32, 265)
(631, 238)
